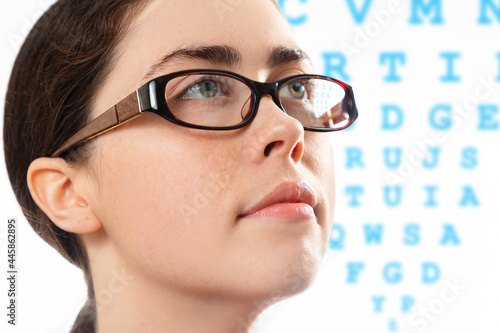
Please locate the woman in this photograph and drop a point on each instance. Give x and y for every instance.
(197, 189)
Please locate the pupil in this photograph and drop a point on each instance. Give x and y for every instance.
(297, 90)
(209, 89)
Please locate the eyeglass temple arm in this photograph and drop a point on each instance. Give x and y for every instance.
(125, 110)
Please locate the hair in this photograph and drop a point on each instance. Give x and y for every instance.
(59, 69)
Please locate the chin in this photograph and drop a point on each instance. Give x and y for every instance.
(296, 282)
(292, 275)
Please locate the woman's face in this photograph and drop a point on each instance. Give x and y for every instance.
(175, 202)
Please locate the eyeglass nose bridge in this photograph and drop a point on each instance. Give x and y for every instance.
(267, 88)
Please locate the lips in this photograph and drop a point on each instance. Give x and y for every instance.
(289, 201)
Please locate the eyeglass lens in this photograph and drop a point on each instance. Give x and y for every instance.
(218, 101)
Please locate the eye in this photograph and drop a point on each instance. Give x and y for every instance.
(297, 89)
(203, 88)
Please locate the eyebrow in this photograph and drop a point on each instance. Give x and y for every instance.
(283, 55)
(224, 55)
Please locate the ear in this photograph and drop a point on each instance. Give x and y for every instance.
(53, 186)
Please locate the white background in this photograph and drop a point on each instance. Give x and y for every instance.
(51, 291)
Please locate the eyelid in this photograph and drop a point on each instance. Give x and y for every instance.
(174, 88)
(285, 74)
(206, 77)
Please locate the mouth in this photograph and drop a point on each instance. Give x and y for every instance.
(288, 201)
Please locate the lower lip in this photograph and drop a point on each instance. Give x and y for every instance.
(292, 211)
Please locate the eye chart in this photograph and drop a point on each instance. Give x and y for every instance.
(414, 242)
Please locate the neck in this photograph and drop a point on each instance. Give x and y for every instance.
(142, 307)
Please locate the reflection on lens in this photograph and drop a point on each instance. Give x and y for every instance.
(322, 105)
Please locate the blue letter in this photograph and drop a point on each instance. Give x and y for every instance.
(483, 18)
(487, 120)
(353, 269)
(397, 276)
(395, 201)
(354, 191)
(427, 268)
(469, 158)
(336, 242)
(392, 326)
(359, 16)
(394, 122)
(296, 20)
(426, 9)
(431, 202)
(498, 56)
(354, 157)
(396, 161)
(445, 121)
(407, 302)
(373, 233)
(469, 197)
(377, 301)
(450, 75)
(412, 232)
(334, 64)
(434, 152)
(392, 57)
(450, 235)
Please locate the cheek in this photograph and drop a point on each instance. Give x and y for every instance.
(318, 158)
(161, 204)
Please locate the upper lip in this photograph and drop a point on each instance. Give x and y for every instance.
(297, 191)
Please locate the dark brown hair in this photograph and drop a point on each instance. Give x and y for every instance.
(58, 71)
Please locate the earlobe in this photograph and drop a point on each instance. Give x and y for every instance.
(53, 186)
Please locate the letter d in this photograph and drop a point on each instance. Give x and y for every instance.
(430, 272)
(392, 117)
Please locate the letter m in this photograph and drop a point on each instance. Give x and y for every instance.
(426, 7)
(494, 9)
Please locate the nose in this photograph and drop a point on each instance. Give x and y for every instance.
(273, 134)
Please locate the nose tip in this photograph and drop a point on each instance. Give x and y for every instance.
(274, 133)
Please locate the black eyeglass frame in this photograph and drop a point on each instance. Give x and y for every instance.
(148, 98)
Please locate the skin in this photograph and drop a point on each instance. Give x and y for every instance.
(159, 204)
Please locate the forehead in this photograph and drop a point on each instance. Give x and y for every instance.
(253, 28)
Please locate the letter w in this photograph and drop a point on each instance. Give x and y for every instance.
(373, 233)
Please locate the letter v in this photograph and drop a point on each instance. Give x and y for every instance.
(359, 16)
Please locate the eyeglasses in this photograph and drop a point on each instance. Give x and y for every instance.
(222, 100)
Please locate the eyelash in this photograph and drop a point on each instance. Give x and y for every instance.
(218, 82)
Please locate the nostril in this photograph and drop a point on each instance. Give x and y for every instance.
(268, 148)
(297, 151)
